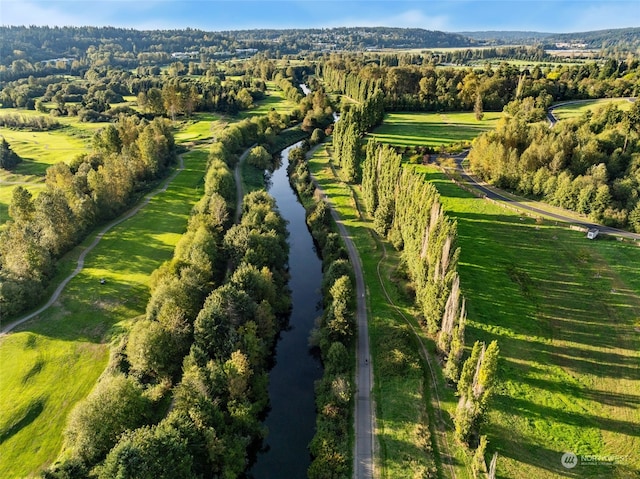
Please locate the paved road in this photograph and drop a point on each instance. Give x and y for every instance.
(522, 203)
(363, 463)
(80, 265)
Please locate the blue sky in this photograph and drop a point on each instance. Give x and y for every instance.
(451, 15)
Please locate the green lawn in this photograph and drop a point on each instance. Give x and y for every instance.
(574, 110)
(566, 313)
(274, 100)
(54, 360)
(432, 129)
(38, 151)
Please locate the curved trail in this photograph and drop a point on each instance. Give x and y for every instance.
(81, 259)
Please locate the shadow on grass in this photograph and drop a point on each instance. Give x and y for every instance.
(524, 408)
(30, 414)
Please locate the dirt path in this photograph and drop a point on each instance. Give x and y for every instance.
(81, 259)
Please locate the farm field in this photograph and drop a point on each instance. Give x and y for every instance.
(73, 336)
(432, 129)
(565, 312)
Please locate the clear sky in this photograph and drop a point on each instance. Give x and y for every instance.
(556, 16)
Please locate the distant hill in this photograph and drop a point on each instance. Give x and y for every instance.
(507, 37)
(44, 43)
(625, 38)
(41, 44)
(621, 38)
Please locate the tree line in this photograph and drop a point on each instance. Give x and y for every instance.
(406, 209)
(126, 158)
(423, 87)
(590, 164)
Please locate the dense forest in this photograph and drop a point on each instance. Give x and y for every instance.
(409, 83)
(126, 46)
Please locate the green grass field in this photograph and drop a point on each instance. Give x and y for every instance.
(38, 151)
(574, 110)
(274, 100)
(566, 313)
(54, 360)
(432, 129)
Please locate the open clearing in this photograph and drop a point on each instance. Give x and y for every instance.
(432, 129)
(38, 151)
(565, 311)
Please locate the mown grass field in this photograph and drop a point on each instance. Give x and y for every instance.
(577, 109)
(566, 313)
(274, 100)
(54, 360)
(432, 129)
(38, 151)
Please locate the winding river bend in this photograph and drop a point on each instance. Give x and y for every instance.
(291, 420)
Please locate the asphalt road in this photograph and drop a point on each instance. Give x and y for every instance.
(523, 204)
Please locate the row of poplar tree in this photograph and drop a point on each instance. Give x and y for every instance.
(406, 209)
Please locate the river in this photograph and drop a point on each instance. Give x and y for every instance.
(292, 417)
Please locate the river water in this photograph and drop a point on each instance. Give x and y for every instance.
(291, 420)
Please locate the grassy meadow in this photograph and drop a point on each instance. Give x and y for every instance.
(566, 314)
(577, 109)
(38, 151)
(432, 129)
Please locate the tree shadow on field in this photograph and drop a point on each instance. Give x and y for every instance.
(30, 414)
(528, 453)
